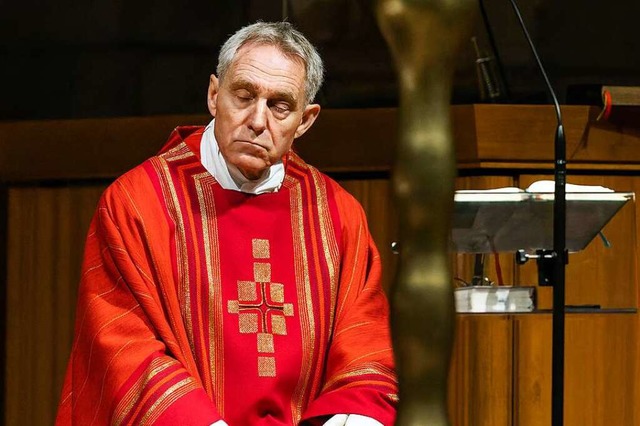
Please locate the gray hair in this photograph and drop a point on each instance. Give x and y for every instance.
(286, 38)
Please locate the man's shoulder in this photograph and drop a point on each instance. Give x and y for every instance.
(139, 180)
(190, 135)
(182, 142)
(133, 183)
(336, 191)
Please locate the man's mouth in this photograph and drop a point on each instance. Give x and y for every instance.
(254, 144)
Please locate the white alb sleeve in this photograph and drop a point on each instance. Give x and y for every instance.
(351, 420)
(336, 420)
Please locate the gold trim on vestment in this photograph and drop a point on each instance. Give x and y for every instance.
(205, 184)
(161, 165)
(170, 396)
(329, 244)
(305, 302)
(135, 392)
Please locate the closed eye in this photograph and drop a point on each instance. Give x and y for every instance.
(280, 109)
(243, 94)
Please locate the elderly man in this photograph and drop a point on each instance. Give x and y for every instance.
(225, 281)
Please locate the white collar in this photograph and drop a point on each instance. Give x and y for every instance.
(228, 176)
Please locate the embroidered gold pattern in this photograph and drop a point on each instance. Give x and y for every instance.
(261, 308)
(277, 292)
(265, 343)
(278, 325)
(233, 306)
(287, 309)
(260, 249)
(248, 322)
(266, 366)
(247, 290)
(262, 272)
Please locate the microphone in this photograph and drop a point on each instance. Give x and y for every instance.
(488, 79)
(559, 253)
(500, 75)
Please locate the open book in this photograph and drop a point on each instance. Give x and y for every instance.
(540, 188)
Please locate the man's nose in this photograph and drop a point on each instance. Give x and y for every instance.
(258, 117)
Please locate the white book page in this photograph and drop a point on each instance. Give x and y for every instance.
(549, 186)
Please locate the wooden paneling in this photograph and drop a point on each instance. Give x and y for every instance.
(82, 149)
(525, 134)
(47, 229)
(480, 390)
(601, 362)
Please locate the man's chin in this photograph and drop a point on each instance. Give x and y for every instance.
(253, 173)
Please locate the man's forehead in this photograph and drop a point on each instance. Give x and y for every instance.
(254, 44)
(275, 54)
(255, 69)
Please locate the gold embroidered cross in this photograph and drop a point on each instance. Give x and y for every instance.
(261, 308)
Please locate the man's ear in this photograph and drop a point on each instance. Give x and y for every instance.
(309, 115)
(212, 94)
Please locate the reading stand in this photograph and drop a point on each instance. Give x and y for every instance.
(522, 222)
(491, 222)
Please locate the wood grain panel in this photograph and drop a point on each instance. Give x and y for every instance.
(480, 391)
(83, 149)
(47, 228)
(601, 370)
(525, 133)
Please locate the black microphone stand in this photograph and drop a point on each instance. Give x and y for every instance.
(557, 258)
(559, 253)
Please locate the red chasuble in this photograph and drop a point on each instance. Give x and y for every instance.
(199, 303)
